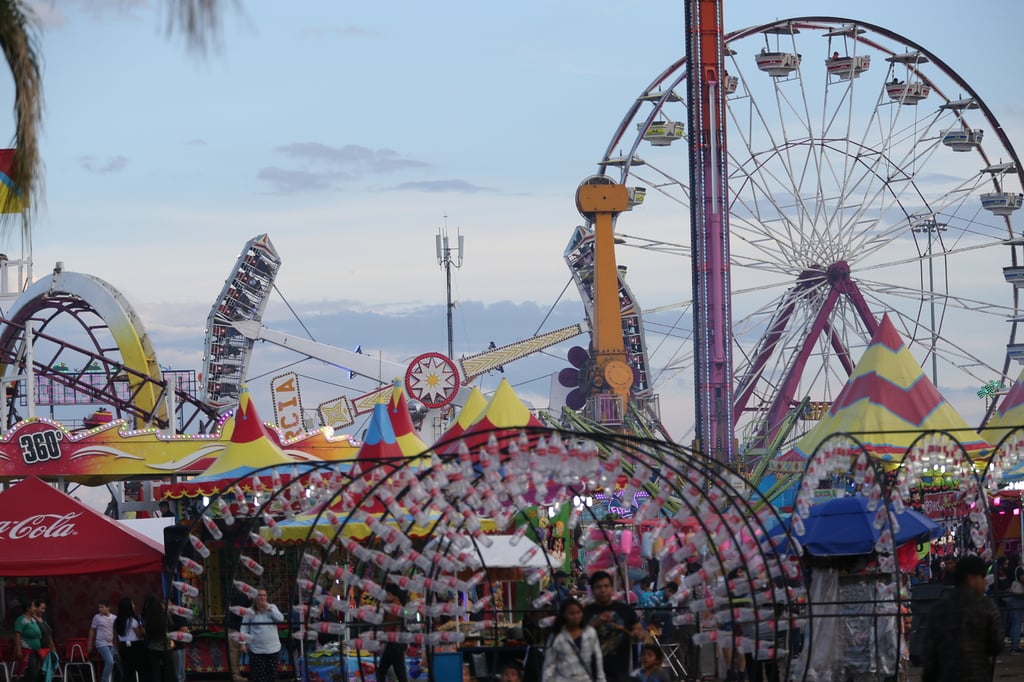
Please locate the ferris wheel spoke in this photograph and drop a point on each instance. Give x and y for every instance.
(665, 184)
(644, 243)
(757, 170)
(946, 348)
(758, 179)
(945, 299)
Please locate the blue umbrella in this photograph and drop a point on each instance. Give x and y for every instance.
(845, 527)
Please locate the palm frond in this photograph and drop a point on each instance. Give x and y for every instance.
(19, 42)
(199, 20)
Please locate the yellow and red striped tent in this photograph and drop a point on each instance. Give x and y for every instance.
(887, 403)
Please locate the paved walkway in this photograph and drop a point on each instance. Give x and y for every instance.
(1007, 668)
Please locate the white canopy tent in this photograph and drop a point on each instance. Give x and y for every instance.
(152, 528)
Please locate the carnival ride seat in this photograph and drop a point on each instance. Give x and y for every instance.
(75, 661)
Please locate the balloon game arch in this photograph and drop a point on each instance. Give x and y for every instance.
(1006, 459)
(937, 460)
(428, 524)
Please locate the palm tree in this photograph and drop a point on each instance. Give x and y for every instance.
(198, 20)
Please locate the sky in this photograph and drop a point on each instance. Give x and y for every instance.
(351, 134)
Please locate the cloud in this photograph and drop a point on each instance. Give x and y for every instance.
(358, 32)
(370, 160)
(438, 186)
(197, 142)
(112, 164)
(48, 15)
(287, 181)
(347, 163)
(97, 9)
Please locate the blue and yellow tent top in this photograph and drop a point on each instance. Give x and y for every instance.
(11, 198)
(380, 443)
(886, 404)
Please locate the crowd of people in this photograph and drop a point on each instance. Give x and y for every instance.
(599, 637)
(596, 636)
(33, 643)
(131, 645)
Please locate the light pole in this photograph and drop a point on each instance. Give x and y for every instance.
(446, 259)
(931, 227)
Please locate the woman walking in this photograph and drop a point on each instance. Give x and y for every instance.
(131, 647)
(160, 662)
(27, 642)
(574, 654)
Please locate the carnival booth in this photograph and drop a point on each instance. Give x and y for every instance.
(891, 436)
(251, 464)
(853, 589)
(58, 549)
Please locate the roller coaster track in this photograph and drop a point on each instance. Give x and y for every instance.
(105, 380)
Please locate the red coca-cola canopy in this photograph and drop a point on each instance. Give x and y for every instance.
(46, 532)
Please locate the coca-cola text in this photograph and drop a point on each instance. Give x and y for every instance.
(39, 526)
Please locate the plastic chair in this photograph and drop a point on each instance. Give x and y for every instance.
(6, 660)
(76, 661)
(14, 666)
(670, 651)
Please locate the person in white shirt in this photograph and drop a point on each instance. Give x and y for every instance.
(101, 638)
(131, 645)
(260, 639)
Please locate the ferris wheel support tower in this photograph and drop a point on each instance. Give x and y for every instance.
(709, 231)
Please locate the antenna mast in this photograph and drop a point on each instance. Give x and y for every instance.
(446, 259)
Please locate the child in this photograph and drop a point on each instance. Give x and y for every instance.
(651, 660)
(512, 672)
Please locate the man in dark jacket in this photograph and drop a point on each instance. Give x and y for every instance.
(964, 630)
(617, 627)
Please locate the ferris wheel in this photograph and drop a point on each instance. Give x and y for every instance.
(865, 177)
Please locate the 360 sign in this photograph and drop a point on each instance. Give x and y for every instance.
(40, 446)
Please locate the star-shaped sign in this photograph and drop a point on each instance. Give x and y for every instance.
(433, 379)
